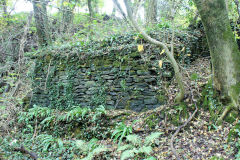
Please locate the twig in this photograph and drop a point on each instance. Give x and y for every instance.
(22, 43)
(178, 130)
(25, 151)
(182, 126)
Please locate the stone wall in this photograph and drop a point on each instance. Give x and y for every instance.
(110, 72)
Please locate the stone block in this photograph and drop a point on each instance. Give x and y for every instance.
(151, 100)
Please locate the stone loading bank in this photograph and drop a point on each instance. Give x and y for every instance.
(110, 72)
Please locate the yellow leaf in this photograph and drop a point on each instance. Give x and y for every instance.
(162, 51)
(160, 63)
(188, 55)
(140, 48)
(183, 49)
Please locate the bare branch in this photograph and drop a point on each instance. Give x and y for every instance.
(170, 56)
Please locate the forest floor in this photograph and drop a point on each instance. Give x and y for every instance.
(200, 139)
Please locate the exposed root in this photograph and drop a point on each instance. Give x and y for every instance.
(225, 112)
(25, 151)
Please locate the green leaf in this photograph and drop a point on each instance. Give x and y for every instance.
(194, 77)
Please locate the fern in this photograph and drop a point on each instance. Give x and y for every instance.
(145, 149)
(92, 144)
(128, 154)
(82, 145)
(40, 112)
(77, 112)
(101, 109)
(120, 132)
(33, 113)
(95, 152)
(136, 147)
(99, 112)
(152, 137)
(134, 139)
(47, 121)
(90, 149)
(47, 141)
(125, 147)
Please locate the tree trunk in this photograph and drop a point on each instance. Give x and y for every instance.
(90, 9)
(151, 12)
(224, 51)
(41, 20)
(4, 7)
(118, 6)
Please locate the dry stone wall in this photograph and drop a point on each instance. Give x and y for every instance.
(110, 72)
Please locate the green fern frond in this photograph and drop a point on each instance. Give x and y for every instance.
(48, 120)
(152, 137)
(101, 109)
(145, 149)
(92, 144)
(95, 152)
(134, 139)
(125, 147)
(128, 154)
(82, 145)
(85, 111)
(99, 150)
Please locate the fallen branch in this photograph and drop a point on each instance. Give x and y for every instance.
(25, 151)
(178, 130)
(182, 126)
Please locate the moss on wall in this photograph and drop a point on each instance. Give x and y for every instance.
(110, 72)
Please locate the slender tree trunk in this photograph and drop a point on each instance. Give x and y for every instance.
(4, 7)
(151, 12)
(118, 6)
(90, 9)
(164, 46)
(224, 51)
(41, 20)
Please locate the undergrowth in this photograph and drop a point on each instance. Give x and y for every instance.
(45, 131)
(82, 122)
(139, 148)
